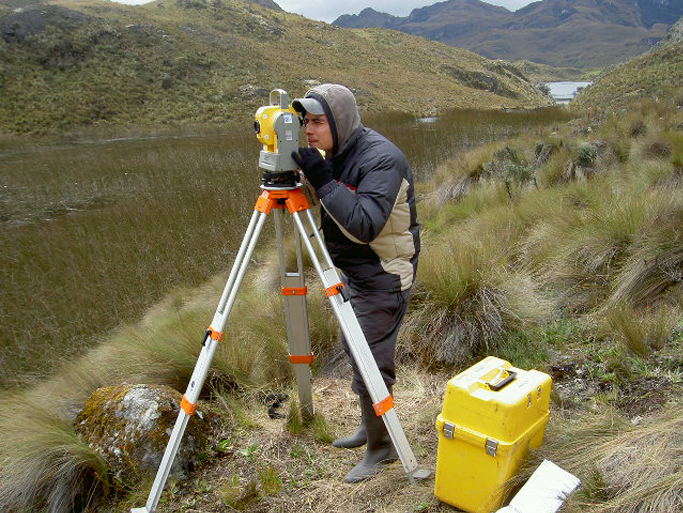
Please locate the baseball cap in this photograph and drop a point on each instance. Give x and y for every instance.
(310, 105)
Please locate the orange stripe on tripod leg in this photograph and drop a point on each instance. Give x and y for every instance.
(301, 359)
(187, 406)
(384, 405)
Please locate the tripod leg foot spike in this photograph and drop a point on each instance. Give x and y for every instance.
(419, 475)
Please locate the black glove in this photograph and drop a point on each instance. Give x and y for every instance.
(318, 171)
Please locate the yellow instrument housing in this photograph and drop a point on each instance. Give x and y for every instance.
(265, 117)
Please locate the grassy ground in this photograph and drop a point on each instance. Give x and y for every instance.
(90, 235)
(559, 249)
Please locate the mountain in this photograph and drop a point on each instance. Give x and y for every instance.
(579, 33)
(69, 63)
(367, 18)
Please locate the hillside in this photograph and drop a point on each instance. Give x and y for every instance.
(71, 63)
(655, 75)
(543, 32)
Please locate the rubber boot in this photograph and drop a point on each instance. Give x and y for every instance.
(357, 439)
(380, 450)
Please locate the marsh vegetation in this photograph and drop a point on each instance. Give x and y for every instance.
(96, 231)
(557, 247)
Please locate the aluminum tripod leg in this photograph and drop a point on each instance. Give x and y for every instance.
(360, 350)
(293, 288)
(347, 321)
(209, 344)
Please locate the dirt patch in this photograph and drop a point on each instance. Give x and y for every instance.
(264, 467)
(646, 396)
(576, 383)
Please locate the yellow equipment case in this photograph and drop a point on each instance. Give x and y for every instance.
(492, 413)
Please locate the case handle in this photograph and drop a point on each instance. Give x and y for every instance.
(498, 382)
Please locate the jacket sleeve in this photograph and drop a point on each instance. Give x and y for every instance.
(361, 214)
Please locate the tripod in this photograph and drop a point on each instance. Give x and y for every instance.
(278, 195)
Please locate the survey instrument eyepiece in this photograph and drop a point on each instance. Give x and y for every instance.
(277, 128)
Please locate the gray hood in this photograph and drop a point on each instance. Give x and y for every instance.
(340, 109)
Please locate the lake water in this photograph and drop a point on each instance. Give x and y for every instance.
(564, 92)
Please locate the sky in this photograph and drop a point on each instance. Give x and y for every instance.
(330, 10)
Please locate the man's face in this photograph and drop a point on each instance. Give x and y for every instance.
(318, 132)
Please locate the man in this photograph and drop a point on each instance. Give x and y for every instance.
(369, 224)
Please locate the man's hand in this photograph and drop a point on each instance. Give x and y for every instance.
(318, 171)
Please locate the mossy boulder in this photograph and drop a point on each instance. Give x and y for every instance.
(130, 425)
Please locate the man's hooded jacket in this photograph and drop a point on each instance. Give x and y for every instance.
(368, 215)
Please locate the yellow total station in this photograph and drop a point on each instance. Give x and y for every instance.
(277, 128)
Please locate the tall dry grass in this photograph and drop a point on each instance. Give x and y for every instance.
(43, 463)
(654, 267)
(643, 330)
(549, 223)
(97, 232)
(627, 469)
(470, 296)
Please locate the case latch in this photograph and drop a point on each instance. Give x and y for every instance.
(448, 430)
(491, 447)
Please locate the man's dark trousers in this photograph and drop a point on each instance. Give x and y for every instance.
(379, 314)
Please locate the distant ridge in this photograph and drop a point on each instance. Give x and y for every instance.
(368, 18)
(578, 33)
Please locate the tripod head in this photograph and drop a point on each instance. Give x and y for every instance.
(277, 128)
(286, 180)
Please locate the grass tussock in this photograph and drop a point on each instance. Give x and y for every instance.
(629, 469)
(642, 331)
(43, 463)
(472, 298)
(457, 176)
(654, 268)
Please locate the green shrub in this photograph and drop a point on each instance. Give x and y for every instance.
(510, 169)
(586, 155)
